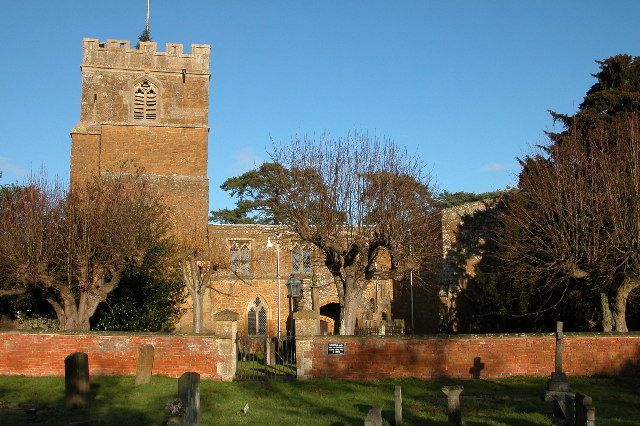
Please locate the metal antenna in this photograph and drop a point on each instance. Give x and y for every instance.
(146, 22)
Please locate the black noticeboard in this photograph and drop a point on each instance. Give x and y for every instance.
(335, 348)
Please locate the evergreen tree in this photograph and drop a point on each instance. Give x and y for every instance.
(257, 192)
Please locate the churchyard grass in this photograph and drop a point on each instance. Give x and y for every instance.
(116, 401)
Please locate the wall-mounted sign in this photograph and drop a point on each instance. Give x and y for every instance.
(335, 348)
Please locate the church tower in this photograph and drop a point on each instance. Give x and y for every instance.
(144, 110)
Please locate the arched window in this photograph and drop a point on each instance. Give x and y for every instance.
(145, 101)
(240, 257)
(257, 318)
(301, 257)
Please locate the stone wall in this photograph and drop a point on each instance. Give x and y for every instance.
(492, 356)
(238, 292)
(43, 354)
(171, 146)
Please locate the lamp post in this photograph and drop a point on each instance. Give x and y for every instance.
(411, 282)
(269, 245)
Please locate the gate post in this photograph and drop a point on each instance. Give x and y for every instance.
(307, 325)
(225, 328)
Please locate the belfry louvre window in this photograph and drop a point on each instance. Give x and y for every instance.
(145, 101)
(301, 257)
(240, 257)
(257, 318)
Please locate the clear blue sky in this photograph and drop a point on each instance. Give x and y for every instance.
(465, 84)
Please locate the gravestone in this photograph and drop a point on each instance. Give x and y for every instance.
(453, 404)
(585, 412)
(558, 389)
(76, 380)
(558, 381)
(374, 417)
(397, 394)
(145, 365)
(189, 394)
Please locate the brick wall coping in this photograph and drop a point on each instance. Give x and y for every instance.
(112, 333)
(631, 334)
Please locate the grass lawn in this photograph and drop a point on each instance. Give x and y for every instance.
(115, 401)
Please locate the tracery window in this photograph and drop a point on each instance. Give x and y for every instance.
(145, 101)
(240, 257)
(301, 258)
(257, 318)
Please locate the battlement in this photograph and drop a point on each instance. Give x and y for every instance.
(119, 54)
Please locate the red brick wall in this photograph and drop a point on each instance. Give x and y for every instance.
(368, 358)
(43, 354)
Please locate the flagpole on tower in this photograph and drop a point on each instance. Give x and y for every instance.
(146, 23)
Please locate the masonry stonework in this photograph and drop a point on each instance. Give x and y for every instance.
(146, 111)
(43, 354)
(170, 144)
(463, 356)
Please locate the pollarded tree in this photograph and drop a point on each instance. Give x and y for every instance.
(201, 259)
(576, 219)
(76, 244)
(365, 204)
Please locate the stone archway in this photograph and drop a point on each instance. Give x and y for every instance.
(331, 309)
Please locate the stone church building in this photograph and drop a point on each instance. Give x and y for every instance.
(146, 111)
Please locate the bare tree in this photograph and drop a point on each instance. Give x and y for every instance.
(576, 218)
(365, 204)
(76, 244)
(202, 259)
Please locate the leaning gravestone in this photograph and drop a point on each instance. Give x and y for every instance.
(145, 365)
(76, 380)
(189, 394)
(453, 404)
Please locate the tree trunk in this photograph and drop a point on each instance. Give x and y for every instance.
(607, 317)
(348, 312)
(628, 285)
(197, 311)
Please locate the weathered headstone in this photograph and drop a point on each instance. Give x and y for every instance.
(397, 396)
(76, 380)
(189, 394)
(584, 406)
(145, 365)
(374, 417)
(591, 415)
(453, 404)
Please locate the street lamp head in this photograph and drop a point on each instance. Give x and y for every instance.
(294, 287)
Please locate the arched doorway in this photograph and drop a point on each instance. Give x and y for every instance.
(332, 310)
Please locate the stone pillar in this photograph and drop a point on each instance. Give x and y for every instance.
(315, 299)
(189, 394)
(225, 328)
(145, 365)
(307, 325)
(453, 404)
(76, 380)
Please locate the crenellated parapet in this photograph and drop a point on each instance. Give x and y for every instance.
(120, 54)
